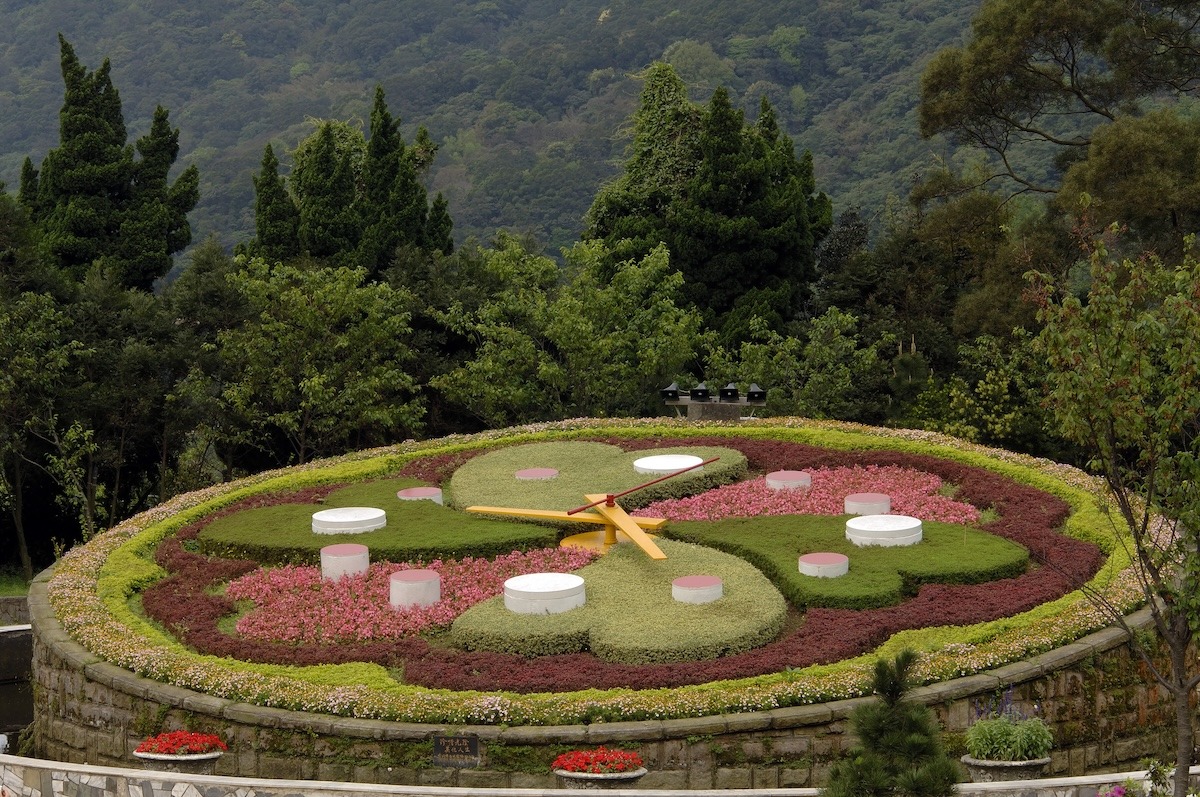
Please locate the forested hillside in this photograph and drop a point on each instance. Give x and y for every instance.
(526, 99)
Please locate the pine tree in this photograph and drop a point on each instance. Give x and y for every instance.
(439, 226)
(276, 220)
(94, 201)
(736, 207)
(899, 754)
(27, 191)
(154, 222)
(324, 183)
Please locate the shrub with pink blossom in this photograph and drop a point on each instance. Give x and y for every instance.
(913, 492)
(294, 604)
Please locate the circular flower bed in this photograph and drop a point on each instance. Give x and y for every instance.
(827, 656)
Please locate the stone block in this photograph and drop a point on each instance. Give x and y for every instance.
(528, 780)
(604, 732)
(795, 778)
(544, 734)
(334, 771)
(367, 774)
(754, 749)
(764, 778)
(280, 768)
(482, 779)
(669, 754)
(435, 777)
(791, 748)
(729, 778)
(672, 779)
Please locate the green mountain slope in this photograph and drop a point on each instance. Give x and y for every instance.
(527, 99)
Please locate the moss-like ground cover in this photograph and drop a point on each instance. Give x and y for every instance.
(630, 616)
(878, 576)
(583, 467)
(415, 530)
(973, 627)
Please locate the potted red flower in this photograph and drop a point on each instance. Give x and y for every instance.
(602, 768)
(181, 751)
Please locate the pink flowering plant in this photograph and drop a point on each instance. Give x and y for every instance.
(913, 492)
(182, 743)
(602, 760)
(294, 604)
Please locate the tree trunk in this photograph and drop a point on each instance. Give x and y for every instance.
(18, 516)
(1184, 738)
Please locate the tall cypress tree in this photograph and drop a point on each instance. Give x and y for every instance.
(154, 222)
(385, 153)
(84, 180)
(276, 219)
(324, 184)
(95, 201)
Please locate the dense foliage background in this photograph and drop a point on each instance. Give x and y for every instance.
(256, 234)
(527, 100)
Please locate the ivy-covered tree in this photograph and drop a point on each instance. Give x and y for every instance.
(1124, 384)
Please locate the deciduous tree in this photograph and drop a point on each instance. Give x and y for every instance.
(1125, 385)
(322, 361)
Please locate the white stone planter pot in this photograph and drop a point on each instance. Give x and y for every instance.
(599, 780)
(983, 770)
(188, 764)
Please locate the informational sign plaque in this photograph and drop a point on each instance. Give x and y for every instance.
(456, 751)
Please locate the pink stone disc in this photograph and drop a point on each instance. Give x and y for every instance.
(536, 474)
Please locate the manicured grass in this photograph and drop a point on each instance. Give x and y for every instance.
(583, 468)
(12, 584)
(878, 576)
(415, 530)
(630, 615)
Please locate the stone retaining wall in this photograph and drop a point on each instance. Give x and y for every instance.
(14, 611)
(1096, 694)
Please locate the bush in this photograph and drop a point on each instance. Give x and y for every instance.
(1009, 738)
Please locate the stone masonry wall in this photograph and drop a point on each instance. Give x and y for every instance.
(28, 777)
(1101, 703)
(14, 611)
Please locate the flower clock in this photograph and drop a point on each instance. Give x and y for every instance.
(231, 573)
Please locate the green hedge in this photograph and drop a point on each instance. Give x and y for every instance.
(878, 576)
